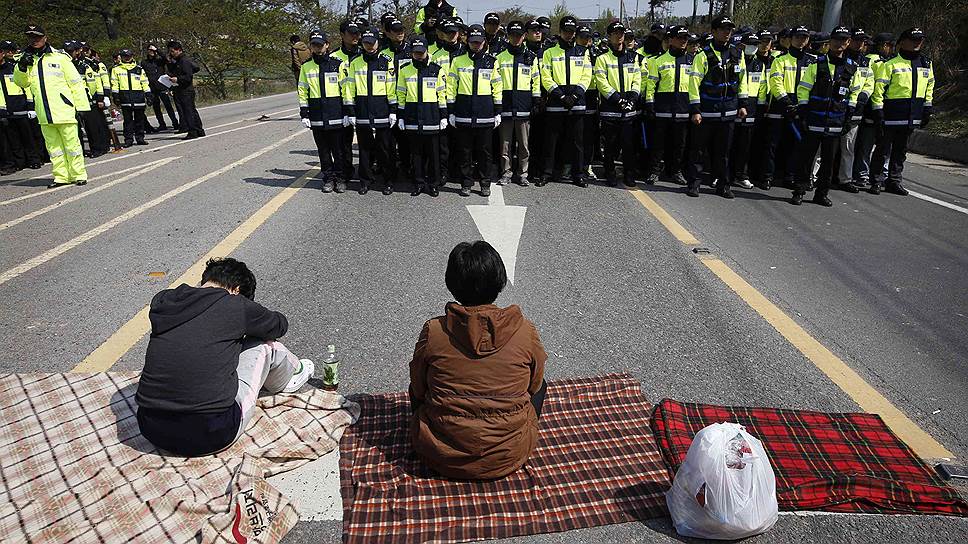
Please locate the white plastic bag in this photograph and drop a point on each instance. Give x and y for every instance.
(725, 488)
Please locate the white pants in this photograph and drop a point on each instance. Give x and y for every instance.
(847, 143)
(263, 366)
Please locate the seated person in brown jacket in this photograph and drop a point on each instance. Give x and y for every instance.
(477, 375)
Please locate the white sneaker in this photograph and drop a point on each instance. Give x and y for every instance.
(744, 183)
(299, 379)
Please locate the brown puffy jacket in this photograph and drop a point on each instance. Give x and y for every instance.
(473, 373)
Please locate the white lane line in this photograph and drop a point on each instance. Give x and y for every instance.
(939, 202)
(314, 487)
(179, 142)
(101, 229)
(144, 170)
(62, 187)
(246, 100)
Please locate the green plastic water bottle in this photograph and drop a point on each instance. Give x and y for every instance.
(331, 369)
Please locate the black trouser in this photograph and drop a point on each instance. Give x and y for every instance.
(157, 99)
(536, 140)
(474, 154)
(780, 144)
(347, 155)
(537, 400)
(714, 138)
(190, 120)
(375, 144)
(134, 126)
(620, 138)
(807, 152)
(450, 161)
(563, 143)
(329, 147)
(668, 140)
(425, 156)
(21, 145)
(893, 140)
(591, 138)
(761, 140)
(403, 152)
(740, 153)
(98, 135)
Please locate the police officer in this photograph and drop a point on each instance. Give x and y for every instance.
(182, 70)
(447, 47)
(22, 151)
(565, 74)
(882, 50)
(667, 82)
(846, 178)
(397, 49)
(903, 91)
(652, 45)
(59, 94)
(430, 14)
(827, 95)
(784, 78)
(536, 139)
(129, 83)
(350, 31)
(422, 114)
(765, 55)
(321, 110)
(717, 96)
(154, 67)
(97, 139)
(618, 77)
(755, 87)
(370, 96)
(522, 90)
(492, 28)
(592, 146)
(475, 95)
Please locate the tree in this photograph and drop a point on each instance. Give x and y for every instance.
(557, 13)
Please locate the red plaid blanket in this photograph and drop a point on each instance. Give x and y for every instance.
(596, 463)
(832, 462)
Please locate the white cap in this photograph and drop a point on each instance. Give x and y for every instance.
(331, 348)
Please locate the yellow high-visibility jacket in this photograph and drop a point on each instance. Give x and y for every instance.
(57, 88)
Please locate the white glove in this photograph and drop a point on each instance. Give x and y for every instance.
(306, 122)
(352, 121)
(402, 124)
(443, 124)
(31, 115)
(452, 119)
(393, 119)
(497, 121)
(346, 120)
(107, 102)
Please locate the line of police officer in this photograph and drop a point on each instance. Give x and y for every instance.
(476, 104)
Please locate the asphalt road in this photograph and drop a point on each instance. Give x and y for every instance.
(878, 280)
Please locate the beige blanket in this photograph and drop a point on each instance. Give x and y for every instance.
(74, 467)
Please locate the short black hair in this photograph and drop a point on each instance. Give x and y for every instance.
(475, 273)
(175, 44)
(294, 38)
(230, 274)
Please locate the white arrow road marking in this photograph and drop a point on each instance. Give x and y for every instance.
(314, 487)
(501, 226)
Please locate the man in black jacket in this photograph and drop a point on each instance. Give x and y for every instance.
(212, 349)
(154, 67)
(181, 69)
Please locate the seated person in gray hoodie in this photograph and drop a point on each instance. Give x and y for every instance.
(211, 350)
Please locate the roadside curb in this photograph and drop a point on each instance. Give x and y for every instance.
(945, 147)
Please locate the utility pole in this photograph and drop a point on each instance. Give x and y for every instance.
(831, 14)
(730, 8)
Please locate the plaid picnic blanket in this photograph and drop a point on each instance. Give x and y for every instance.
(832, 462)
(596, 463)
(76, 469)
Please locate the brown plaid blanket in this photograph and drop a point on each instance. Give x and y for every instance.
(76, 469)
(596, 463)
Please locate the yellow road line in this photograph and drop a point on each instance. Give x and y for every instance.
(667, 221)
(101, 229)
(37, 213)
(868, 398)
(108, 353)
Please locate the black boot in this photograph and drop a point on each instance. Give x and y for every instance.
(388, 189)
(464, 191)
(485, 191)
(692, 191)
(796, 199)
(896, 189)
(875, 188)
(822, 199)
(364, 188)
(417, 189)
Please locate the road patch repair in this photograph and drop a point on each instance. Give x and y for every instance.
(603, 457)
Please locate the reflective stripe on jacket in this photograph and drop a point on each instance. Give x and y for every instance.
(903, 89)
(829, 89)
(319, 86)
(421, 96)
(129, 84)
(57, 88)
(667, 85)
(617, 77)
(370, 90)
(784, 78)
(565, 69)
(717, 87)
(521, 81)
